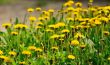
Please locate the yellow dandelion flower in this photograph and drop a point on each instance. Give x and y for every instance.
(1, 52)
(20, 26)
(82, 46)
(78, 4)
(6, 25)
(83, 23)
(91, 1)
(74, 42)
(14, 33)
(41, 19)
(26, 52)
(104, 19)
(53, 26)
(108, 58)
(30, 9)
(67, 4)
(71, 2)
(78, 35)
(46, 18)
(6, 59)
(106, 32)
(39, 23)
(97, 22)
(60, 24)
(71, 57)
(45, 13)
(12, 53)
(51, 10)
(61, 39)
(32, 48)
(49, 30)
(70, 9)
(38, 9)
(76, 13)
(72, 27)
(54, 48)
(62, 35)
(32, 18)
(38, 50)
(70, 19)
(54, 36)
(2, 57)
(22, 63)
(65, 31)
(85, 10)
(83, 26)
(78, 27)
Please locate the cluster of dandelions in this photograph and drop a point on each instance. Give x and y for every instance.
(72, 35)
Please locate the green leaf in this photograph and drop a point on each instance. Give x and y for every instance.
(1, 33)
(3, 40)
(16, 21)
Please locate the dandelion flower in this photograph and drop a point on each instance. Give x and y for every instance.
(74, 42)
(91, 1)
(51, 10)
(62, 35)
(5, 58)
(70, 19)
(70, 9)
(39, 23)
(32, 18)
(60, 24)
(71, 57)
(1, 52)
(20, 26)
(32, 48)
(30, 10)
(14, 33)
(22, 63)
(49, 30)
(97, 22)
(82, 46)
(38, 50)
(65, 31)
(78, 4)
(69, 3)
(12, 53)
(6, 25)
(55, 48)
(45, 13)
(38, 9)
(106, 32)
(41, 19)
(78, 35)
(54, 36)
(26, 52)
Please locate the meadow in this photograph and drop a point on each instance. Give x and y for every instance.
(73, 35)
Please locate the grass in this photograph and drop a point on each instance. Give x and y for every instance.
(4, 2)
